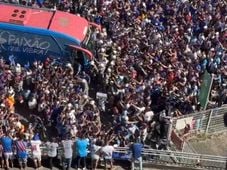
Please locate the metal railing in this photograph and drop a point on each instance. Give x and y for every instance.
(166, 158)
(208, 121)
(173, 158)
(205, 122)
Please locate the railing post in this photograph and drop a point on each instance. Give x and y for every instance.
(170, 130)
(209, 119)
(183, 145)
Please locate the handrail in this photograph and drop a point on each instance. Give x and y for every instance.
(126, 150)
(181, 158)
(203, 111)
(164, 158)
(148, 151)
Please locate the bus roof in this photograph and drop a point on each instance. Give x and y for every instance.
(58, 21)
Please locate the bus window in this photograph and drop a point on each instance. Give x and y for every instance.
(86, 52)
(72, 55)
(80, 56)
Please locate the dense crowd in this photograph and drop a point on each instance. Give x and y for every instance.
(149, 60)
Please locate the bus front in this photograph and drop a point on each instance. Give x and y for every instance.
(78, 28)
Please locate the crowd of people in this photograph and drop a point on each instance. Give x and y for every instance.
(71, 150)
(149, 60)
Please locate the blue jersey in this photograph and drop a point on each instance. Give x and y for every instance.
(137, 150)
(81, 147)
(7, 144)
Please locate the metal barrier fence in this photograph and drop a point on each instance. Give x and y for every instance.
(181, 159)
(186, 159)
(204, 122)
(166, 158)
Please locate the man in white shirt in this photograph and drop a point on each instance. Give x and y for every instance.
(36, 151)
(52, 151)
(95, 154)
(107, 152)
(68, 153)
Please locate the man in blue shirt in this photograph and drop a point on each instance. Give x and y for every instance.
(136, 149)
(81, 145)
(7, 144)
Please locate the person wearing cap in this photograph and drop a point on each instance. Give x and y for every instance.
(36, 151)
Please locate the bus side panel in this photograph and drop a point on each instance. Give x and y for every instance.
(27, 47)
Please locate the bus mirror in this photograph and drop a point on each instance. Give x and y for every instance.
(96, 26)
(87, 52)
